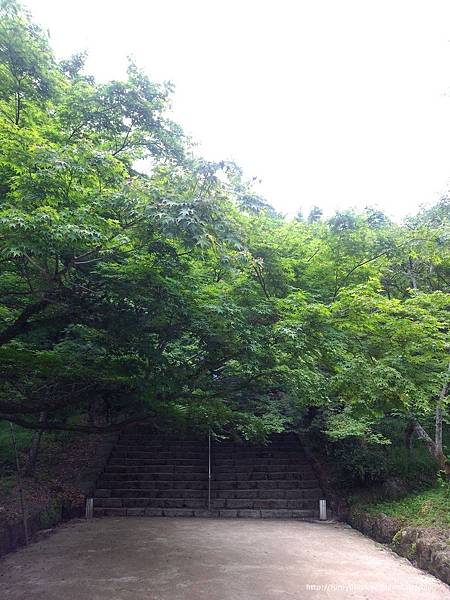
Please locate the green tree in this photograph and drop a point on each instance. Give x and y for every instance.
(172, 293)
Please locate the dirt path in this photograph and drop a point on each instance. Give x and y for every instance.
(206, 559)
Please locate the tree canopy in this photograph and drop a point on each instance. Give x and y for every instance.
(140, 281)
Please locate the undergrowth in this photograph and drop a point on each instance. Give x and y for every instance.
(430, 508)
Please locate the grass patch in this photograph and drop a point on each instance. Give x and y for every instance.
(430, 508)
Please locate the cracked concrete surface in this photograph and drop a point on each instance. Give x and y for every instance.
(208, 559)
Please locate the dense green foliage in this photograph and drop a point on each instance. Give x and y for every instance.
(425, 509)
(355, 463)
(139, 281)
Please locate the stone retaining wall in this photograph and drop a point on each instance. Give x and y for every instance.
(428, 549)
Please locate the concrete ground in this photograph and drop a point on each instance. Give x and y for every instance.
(208, 559)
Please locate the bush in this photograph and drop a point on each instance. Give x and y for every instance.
(356, 462)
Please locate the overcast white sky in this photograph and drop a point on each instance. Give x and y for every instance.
(332, 102)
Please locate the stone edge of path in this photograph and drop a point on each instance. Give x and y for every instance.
(426, 549)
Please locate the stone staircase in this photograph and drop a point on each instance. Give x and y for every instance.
(274, 481)
(149, 476)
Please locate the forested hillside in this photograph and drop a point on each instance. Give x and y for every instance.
(143, 283)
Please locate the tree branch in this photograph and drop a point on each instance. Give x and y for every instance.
(56, 426)
(22, 324)
(353, 269)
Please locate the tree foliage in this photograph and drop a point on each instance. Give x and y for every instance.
(171, 293)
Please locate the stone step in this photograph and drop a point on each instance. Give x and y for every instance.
(158, 460)
(279, 494)
(150, 493)
(160, 439)
(241, 503)
(271, 468)
(265, 484)
(268, 514)
(126, 463)
(295, 494)
(139, 452)
(150, 474)
(138, 465)
(224, 513)
(124, 466)
(157, 446)
(267, 504)
(141, 484)
(125, 481)
(223, 447)
(150, 502)
(257, 454)
(163, 455)
(153, 512)
(129, 439)
(250, 446)
(145, 478)
(248, 477)
(227, 462)
(260, 475)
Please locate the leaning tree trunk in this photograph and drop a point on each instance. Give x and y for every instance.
(436, 452)
(435, 446)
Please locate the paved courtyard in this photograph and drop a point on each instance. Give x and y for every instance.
(207, 559)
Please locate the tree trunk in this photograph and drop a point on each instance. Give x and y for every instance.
(411, 273)
(436, 452)
(435, 446)
(438, 416)
(409, 435)
(34, 449)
